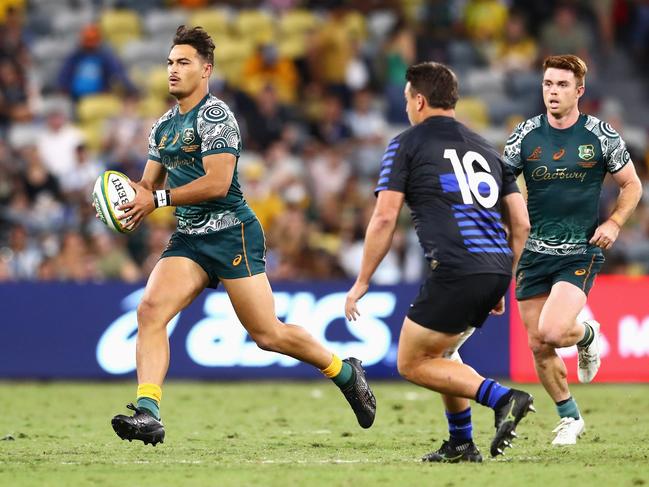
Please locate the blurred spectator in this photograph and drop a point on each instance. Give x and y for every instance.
(14, 96)
(640, 33)
(329, 172)
(517, 50)
(113, 261)
(484, 20)
(331, 128)
(78, 186)
(36, 179)
(565, 33)
(74, 261)
(266, 67)
(126, 138)
(92, 67)
(260, 195)
(22, 256)
(332, 50)
(368, 129)
(266, 121)
(399, 53)
(57, 144)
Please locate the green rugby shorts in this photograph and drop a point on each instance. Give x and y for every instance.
(232, 253)
(537, 272)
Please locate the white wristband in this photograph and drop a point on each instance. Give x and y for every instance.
(161, 198)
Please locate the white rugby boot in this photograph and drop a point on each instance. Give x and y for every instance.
(588, 360)
(568, 430)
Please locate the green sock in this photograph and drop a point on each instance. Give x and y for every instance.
(568, 408)
(589, 335)
(345, 376)
(150, 406)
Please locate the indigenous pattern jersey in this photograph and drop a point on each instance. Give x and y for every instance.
(180, 141)
(564, 170)
(453, 181)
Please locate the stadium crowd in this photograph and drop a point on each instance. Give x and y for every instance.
(317, 88)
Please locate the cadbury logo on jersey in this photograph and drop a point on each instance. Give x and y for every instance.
(542, 173)
(174, 162)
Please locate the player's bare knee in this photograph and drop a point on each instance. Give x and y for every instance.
(406, 367)
(552, 337)
(270, 341)
(146, 313)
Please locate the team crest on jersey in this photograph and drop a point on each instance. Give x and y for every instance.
(188, 136)
(586, 152)
(535, 155)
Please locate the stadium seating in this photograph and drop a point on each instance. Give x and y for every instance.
(120, 26)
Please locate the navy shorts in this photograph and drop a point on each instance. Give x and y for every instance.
(453, 304)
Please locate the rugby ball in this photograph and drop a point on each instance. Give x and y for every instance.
(111, 190)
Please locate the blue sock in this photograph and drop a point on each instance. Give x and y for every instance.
(568, 408)
(459, 426)
(492, 394)
(150, 406)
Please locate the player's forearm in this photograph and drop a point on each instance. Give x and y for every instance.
(154, 176)
(517, 239)
(378, 239)
(198, 191)
(627, 200)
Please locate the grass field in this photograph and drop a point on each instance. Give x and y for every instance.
(303, 434)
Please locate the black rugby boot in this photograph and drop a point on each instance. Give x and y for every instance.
(507, 418)
(141, 426)
(359, 395)
(452, 452)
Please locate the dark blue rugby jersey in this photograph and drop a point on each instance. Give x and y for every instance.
(453, 181)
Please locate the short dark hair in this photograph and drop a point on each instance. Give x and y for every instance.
(569, 62)
(198, 39)
(436, 82)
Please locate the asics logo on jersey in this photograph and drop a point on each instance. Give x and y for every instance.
(237, 260)
(535, 155)
(559, 154)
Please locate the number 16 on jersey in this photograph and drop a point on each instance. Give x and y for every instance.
(470, 182)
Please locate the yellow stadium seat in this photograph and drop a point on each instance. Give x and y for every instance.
(291, 47)
(256, 25)
(120, 26)
(152, 107)
(473, 112)
(7, 4)
(95, 108)
(297, 22)
(93, 133)
(215, 22)
(157, 82)
(354, 23)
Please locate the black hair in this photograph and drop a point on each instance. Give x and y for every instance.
(198, 39)
(436, 82)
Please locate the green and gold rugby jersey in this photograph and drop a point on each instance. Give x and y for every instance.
(564, 170)
(180, 141)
